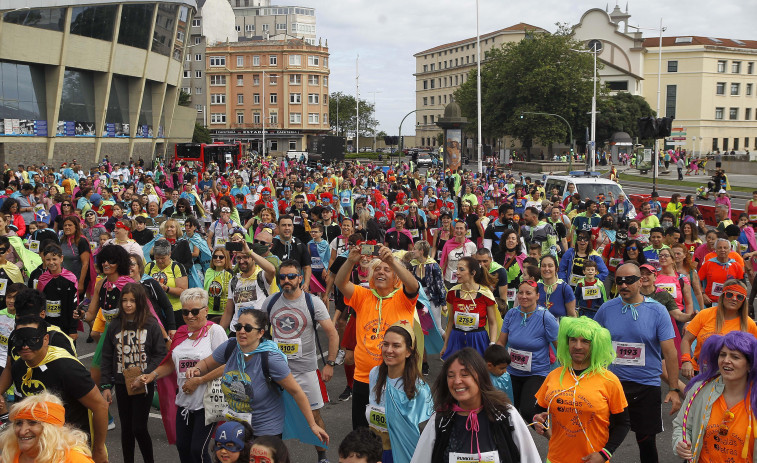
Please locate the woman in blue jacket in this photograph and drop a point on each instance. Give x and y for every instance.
(572, 263)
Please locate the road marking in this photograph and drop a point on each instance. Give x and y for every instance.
(156, 415)
(86, 356)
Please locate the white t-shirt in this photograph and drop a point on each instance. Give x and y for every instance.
(468, 249)
(189, 352)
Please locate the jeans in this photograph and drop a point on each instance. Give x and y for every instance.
(192, 436)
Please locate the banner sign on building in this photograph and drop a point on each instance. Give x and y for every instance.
(453, 145)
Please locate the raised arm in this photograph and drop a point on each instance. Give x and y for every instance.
(406, 277)
(342, 280)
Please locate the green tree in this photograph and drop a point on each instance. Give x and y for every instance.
(381, 134)
(538, 74)
(201, 134)
(184, 98)
(620, 113)
(342, 111)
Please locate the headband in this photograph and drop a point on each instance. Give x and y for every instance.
(736, 289)
(407, 326)
(46, 412)
(120, 224)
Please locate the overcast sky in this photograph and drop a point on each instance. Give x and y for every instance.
(387, 33)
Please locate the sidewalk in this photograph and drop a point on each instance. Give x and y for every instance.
(738, 180)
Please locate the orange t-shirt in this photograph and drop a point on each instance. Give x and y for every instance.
(72, 456)
(596, 398)
(719, 448)
(731, 255)
(702, 326)
(367, 330)
(716, 275)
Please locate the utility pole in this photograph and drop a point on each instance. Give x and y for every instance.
(357, 104)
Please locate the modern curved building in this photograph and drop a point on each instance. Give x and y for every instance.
(83, 80)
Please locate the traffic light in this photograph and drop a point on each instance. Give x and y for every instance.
(664, 127)
(647, 127)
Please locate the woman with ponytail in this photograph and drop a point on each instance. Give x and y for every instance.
(472, 320)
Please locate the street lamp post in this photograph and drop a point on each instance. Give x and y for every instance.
(570, 131)
(595, 47)
(478, 93)
(399, 140)
(264, 114)
(374, 112)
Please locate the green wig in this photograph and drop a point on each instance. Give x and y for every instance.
(602, 353)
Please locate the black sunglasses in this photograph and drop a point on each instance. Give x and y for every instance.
(632, 248)
(288, 276)
(629, 280)
(194, 312)
(247, 327)
(219, 256)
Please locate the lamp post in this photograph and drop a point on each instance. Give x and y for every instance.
(595, 48)
(264, 114)
(478, 93)
(374, 112)
(570, 131)
(399, 140)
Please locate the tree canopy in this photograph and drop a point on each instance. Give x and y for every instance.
(345, 116)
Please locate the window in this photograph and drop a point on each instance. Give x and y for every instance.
(249, 28)
(425, 68)
(256, 98)
(295, 79)
(273, 98)
(431, 118)
(218, 118)
(188, 57)
(256, 118)
(719, 113)
(195, 23)
(314, 61)
(733, 114)
(198, 90)
(325, 81)
(255, 80)
(240, 61)
(746, 142)
(747, 115)
(240, 98)
(217, 98)
(198, 57)
(272, 60)
(274, 143)
(217, 80)
(670, 101)
(720, 88)
(325, 118)
(281, 27)
(313, 98)
(198, 107)
(198, 40)
(256, 60)
(295, 118)
(295, 98)
(433, 83)
(238, 28)
(265, 27)
(735, 144)
(187, 90)
(749, 89)
(714, 144)
(618, 85)
(432, 101)
(136, 22)
(240, 80)
(312, 118)
(295, 60)
(240, 118)
(218, 61)
(273, 79)
(425, 85)
(749, 70)
(735, 88)
(721, 66)
(274, 119)
(198, 74)
(313, 80)
(672, 66)
(736, 67)
(425, 101)
(187, 74)
(425, 120)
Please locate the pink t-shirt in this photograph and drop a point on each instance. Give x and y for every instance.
(671, 284)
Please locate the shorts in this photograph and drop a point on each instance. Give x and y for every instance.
(98, 325)
(644, 407)
(349, 337)
(310, 382)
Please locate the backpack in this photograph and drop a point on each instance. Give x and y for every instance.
(309, 302)
(263, 364)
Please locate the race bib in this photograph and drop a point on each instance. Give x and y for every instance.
(629, 353)
(3, 286)
(511, 295)
(92, 245)
(468, 234)
(220, 242)
(670, 288)
(3, 340)
(153, 228)
(645, 234)
(185, 364)
(292, 348)
(316, 263)
(753, 217)
(52, 308)
(231, 415)
(615, 261)
(574, 279)
(486, 457)
(717, 289)
(34, 246)
(743, 248)
(591, 292)
(466, 321)
(346, 200)
(376, 417)
(521, 360)
(453, 279)
(297, 220)
(414, 233)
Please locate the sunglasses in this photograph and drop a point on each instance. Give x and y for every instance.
(194, 312)
(247, 327)
(632, 248)
(219, 257)
(530, 283)
(629, 280)
(288, 276)
(582, 238)
(734, 295)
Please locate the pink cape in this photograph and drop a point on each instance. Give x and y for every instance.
(449, 246)
(47, 277)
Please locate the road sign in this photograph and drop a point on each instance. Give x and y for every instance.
(677, 143)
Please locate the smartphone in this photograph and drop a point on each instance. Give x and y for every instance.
(232, 246)
(369, 249)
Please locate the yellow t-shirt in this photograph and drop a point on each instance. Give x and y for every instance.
(167, 276)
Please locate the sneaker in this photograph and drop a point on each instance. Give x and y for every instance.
(111, 424)
(425, 369)
(340, 357)
(90, 340)
(346, 394)
(323, 460)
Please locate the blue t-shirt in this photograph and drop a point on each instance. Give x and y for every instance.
(652, 326)
(248, 391)
(504, 384)
(556, 302)
(533, 338)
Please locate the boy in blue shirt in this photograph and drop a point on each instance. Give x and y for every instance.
(497, 360)
(590, 292)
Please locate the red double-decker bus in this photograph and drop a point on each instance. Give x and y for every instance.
(228, 156)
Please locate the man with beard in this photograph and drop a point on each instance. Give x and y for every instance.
(293, 320)
(248, 288)
(538, 232)
(287, 246)
(641, 336)
(497, 227)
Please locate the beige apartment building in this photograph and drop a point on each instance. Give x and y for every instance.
(439, 71)
(280, 86)
(708, 85)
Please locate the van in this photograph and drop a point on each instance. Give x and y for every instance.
(296, 155)
(588, 184)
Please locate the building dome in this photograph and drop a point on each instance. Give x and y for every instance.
(621, 138)
(452, 111)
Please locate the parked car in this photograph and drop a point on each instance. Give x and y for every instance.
(425, 160)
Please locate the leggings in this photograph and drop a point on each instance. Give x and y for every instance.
(524, 393)
(647, 447)
(133, 411)
(192, 436)
(360, 397)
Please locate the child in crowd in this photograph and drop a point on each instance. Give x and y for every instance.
(232, 443)
(497, 360)
(319, 252)
(534, 250)
(361, 446)
(590, 292)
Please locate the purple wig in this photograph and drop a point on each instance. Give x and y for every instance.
(743, 342)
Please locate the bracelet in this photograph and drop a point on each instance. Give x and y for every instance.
(105, 386)
(605, 454)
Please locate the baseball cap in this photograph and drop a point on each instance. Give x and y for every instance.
(649, 267)
(721, 191)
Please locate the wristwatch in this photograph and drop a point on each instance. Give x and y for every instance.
(330, 363)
